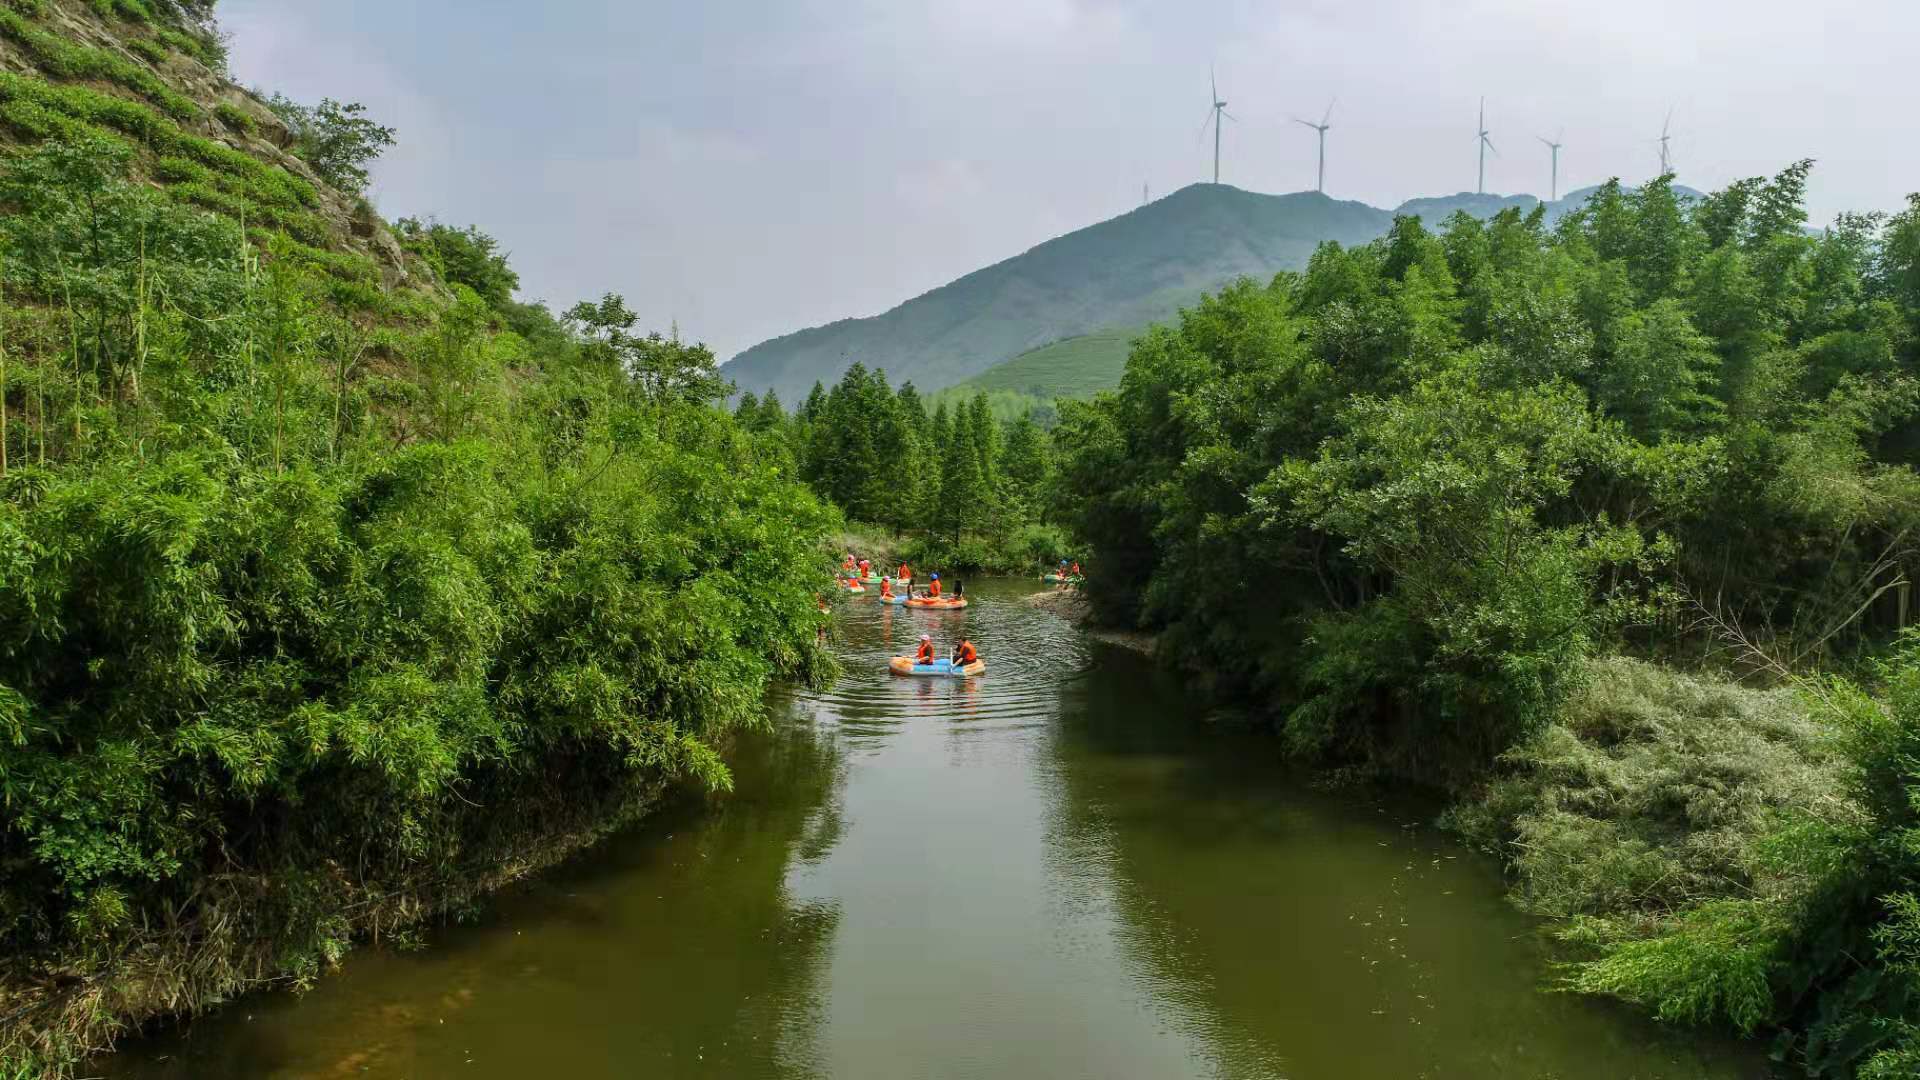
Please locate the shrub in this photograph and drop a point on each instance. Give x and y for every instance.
(289, 644)
(235, 118)
(339, 141)
(68, 60)
(151, 50)
(206, 48)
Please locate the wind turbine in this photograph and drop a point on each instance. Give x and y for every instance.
(1486, 144)
(1666, 136)
(1214, 112)
(1554, 144)
(1321, 127)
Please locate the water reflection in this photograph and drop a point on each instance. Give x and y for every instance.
(676, 949)
(1297, 933)
(1054, 870)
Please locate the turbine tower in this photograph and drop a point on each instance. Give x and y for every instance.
(1215, 112)
(1554, 144)
(1486, 144)
(1321, 184)
(1666, 136)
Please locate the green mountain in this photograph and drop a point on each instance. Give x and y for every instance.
(1071, 367)
(1126, 271)
(1058, 316)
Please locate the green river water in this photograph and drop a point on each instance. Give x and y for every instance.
(1056, 870)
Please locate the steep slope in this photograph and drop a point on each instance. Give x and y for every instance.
(149, 76)
(1129, 270)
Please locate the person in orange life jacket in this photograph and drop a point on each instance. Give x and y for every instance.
(886, 588)
(966, 654)
(866, 568)
(1076, 570)
(933, 586)
(904, 573)
(925, 655)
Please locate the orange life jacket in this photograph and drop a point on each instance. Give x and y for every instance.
(886, 586)
(967, 655)
(925, 655)
(904, 572)
(933, 589)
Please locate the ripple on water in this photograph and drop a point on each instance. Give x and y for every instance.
(1027, 661)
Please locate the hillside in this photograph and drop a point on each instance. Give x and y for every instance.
(297, 512)
(1078, 292)
(149, 77)
(1072, 367)
(1129, 270)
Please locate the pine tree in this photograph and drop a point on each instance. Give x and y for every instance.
(772, 414)
(1026, 468)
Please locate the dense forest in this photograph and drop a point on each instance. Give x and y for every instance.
(312, 565)
(957, 487)
(1607, 527)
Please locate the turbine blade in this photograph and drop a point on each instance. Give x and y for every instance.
(1495, 149)
(1324, 120)
(1213, 86)
(1229, 116)
(1306, 123)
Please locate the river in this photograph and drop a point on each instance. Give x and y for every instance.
(1057, 870)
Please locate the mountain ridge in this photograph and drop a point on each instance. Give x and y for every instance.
(1128, 270)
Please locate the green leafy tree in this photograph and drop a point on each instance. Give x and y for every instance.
(463, 257)
(338, 140)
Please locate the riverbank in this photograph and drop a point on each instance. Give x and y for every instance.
(1072, 605)
(917, 876)
(284, 927)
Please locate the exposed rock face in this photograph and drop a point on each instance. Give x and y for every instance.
(351, 223)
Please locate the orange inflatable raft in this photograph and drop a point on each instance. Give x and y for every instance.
(940, 603)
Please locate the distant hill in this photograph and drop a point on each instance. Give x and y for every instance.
(1129, 270)
(1077, 294)
(1078, 366)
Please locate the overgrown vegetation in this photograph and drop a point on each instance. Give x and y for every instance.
(967, 490)
(66, 59)
(337, 140)
(1418, 495)
(311, 622)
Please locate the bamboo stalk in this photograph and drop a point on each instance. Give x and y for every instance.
(3, 391)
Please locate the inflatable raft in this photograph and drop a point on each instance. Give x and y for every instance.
(853, 586)
(904, 665)
(1062, 579)
(941, 603)
(896, 598)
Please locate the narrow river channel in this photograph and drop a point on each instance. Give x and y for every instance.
(1057, 870)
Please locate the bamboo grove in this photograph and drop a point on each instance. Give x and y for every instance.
(1427, 498)
(318, 616)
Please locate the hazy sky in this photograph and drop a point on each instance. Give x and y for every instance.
(750, 167)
